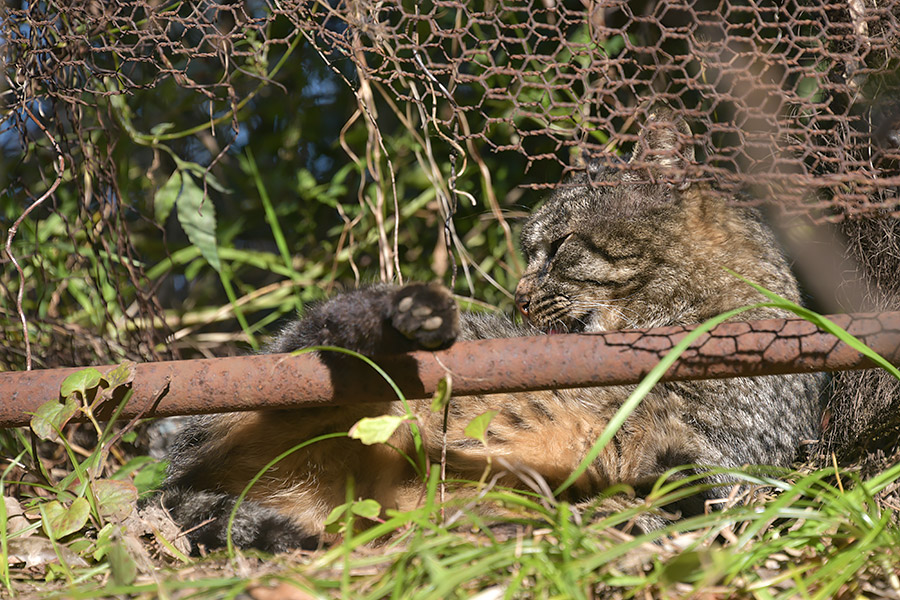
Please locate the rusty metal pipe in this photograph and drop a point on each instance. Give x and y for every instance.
(276, 381)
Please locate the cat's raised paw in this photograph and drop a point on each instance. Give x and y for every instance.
(426, 314)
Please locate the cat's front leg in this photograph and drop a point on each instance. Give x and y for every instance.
(380, 319)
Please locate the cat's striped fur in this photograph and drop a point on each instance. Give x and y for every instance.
(622, 254)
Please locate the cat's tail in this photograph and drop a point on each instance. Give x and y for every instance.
(203, 515)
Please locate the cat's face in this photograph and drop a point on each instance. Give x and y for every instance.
(589, 262)
(600, 252)
(639, 247)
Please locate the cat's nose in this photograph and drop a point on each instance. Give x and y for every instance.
(522, 302)
(523, 296)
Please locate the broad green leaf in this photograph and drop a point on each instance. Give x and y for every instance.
(59, 521)
(477, 427)
(336, 514)
(80, 545)
(369, 509)
(613, 45)
(442, 394)
(116, 379)
(122, 566)
(52, 416)
(115, 497)
(120, 375)
(198, 219)
(375, 430)
(80, 381)
(165, 198)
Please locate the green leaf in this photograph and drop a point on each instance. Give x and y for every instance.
(165, 198)
(115, 497)
(55, 571)
(117, 380)
(375, 430)
(52, 416)
(198, 219)
(122, 374)
(80, 381)
(201, 172)
(305, 180)
(122, 566)
(613, 45)
(442, 394)
(133, 465)
(336, 513)
(151, 477)
(80, 545)
(161, 128)
(477, 427)
(334, 521)
(104, 540)
(368, 508)
(59, 521)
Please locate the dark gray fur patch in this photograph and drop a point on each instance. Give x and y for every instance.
(255, 526)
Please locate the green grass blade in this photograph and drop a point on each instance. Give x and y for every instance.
(225, 275)
(272, 220)
(642, 389)
(229, 544)
(823, 323)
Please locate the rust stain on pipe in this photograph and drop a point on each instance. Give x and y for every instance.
(773, 346)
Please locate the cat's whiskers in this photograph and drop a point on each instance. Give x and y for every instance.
(628, 317)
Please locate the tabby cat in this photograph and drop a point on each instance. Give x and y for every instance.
(606, 251)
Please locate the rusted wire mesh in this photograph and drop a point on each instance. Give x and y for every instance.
(797, 101)
(798, 91)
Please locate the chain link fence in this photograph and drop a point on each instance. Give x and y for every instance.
(445, 113)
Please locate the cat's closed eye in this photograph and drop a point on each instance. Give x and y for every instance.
(557, 244)
(613, 255)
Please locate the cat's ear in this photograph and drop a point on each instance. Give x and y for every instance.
(665, 147)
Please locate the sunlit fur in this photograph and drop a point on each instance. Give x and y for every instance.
(606, 251)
